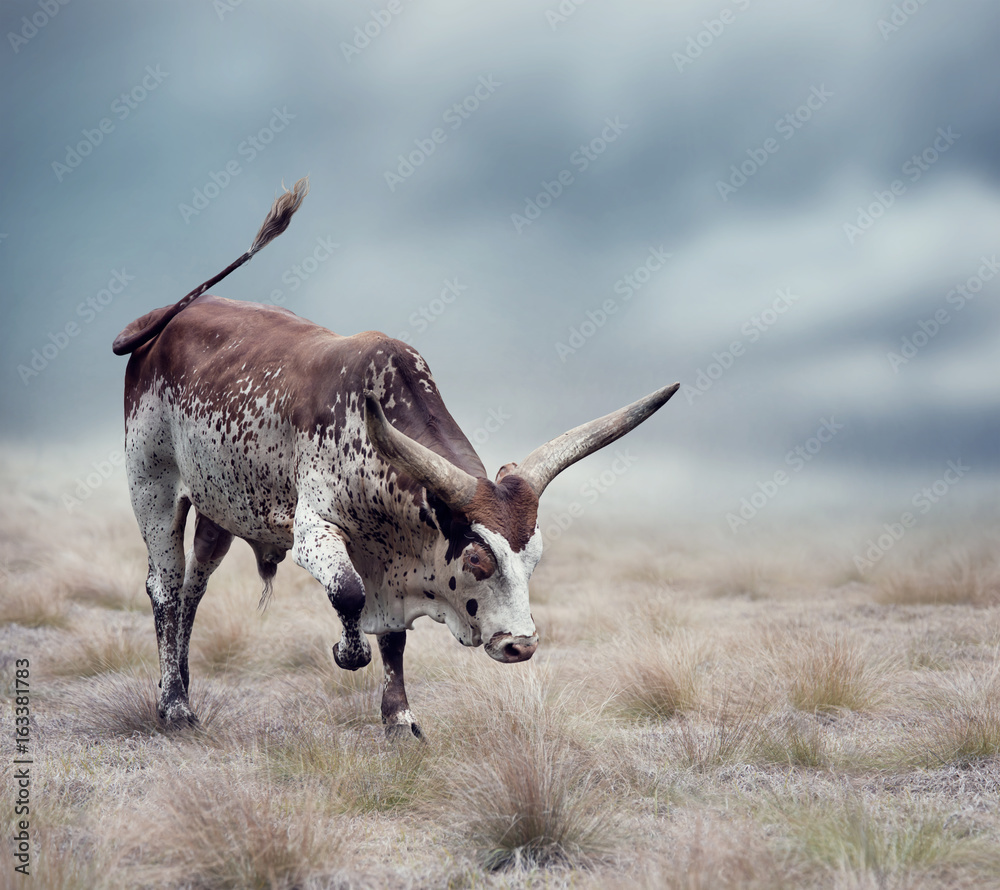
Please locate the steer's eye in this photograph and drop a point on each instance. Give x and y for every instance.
(479, 561)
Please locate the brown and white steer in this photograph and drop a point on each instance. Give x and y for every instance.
(340, 450)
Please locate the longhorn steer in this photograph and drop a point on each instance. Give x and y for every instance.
(340, 450)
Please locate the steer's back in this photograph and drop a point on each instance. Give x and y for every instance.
(241, 406)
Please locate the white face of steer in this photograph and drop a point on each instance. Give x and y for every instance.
(490, 602)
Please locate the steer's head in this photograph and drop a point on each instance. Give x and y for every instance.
(491, 538)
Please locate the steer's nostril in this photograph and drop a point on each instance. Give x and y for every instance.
(519, 651)
(510, 649)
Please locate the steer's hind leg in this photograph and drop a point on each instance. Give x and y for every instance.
(211, 544)
(321, 550)
(396, 714)
(162, 517)
(175, 586)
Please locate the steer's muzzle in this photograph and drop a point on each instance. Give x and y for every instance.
(510, 649)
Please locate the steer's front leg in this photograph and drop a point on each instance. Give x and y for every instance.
(321, 550)
(396, 715)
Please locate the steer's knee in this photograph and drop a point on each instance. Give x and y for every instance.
(348, 596)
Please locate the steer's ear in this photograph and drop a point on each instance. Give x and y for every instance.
(505, 470)
(546, 462)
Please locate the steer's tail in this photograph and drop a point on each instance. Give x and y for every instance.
(147, 327)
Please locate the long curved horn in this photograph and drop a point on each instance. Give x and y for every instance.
(450, 483)
(547, 461)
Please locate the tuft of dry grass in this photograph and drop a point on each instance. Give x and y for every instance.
(795, 742)
(530, 811)
(657, 676)
(869, 845)
(529, 797)
(734, 733)
(968, 736)
(221, 829)
(831, 673)
(126, 706)
(965, 723)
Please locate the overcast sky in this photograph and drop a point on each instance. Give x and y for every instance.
(792, 208)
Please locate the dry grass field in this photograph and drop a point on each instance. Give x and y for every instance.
(704, 711)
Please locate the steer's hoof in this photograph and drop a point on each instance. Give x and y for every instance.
(350, 656)
(401, 730)
(177, 715)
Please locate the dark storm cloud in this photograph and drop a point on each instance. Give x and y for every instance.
(821, 109)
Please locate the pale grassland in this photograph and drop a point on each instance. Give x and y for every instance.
(704, 711)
